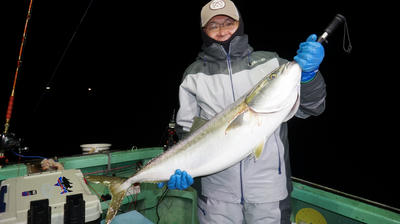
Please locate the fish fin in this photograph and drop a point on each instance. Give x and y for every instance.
(258, 150)
(198, 122)
(117, 193)
(236, 122)
(116, 199)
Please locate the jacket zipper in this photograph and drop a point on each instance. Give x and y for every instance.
(228, 61)
(279, 162)
(241, 185)
(230, 75)
(279, 155)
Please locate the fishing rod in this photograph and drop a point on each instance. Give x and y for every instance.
(19, 63)
(335, 23)
(49, 83)
(8, 141)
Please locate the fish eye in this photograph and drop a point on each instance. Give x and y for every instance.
(272, 76)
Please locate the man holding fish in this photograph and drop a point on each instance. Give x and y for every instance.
(255, 190)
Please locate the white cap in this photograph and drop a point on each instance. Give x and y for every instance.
(218, 7)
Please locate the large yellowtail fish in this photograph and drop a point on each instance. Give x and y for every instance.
(237, 132)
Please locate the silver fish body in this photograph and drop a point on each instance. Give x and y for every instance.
(232, 135)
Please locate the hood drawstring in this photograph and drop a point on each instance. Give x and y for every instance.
(204, 62)
(248, 57)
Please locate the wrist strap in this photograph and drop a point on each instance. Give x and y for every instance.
(308, 76)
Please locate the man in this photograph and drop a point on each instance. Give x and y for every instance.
(252, 191)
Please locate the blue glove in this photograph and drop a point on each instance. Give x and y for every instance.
(309, 57)
(180, 180)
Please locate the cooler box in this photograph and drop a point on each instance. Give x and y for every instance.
(52, 197)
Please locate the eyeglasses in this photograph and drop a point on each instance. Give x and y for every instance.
(213, 27)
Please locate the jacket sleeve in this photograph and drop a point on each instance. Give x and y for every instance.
(312, 97)
(188, 106)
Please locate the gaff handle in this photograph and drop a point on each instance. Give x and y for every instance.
(338, 20)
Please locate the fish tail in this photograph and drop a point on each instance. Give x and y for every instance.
(116, 190)
(116, 199)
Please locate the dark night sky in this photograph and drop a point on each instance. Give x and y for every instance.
(133, 54)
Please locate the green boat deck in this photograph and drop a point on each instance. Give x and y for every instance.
(310, 203)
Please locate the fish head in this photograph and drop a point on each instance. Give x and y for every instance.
(276, 90)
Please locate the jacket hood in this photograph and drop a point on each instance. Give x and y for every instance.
(238, 47)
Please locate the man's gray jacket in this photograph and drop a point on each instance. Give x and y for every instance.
(214, 81)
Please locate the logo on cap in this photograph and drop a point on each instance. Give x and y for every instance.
(217, 4)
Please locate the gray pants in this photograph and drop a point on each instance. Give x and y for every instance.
(214, 211)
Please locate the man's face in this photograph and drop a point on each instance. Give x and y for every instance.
(221, 28)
